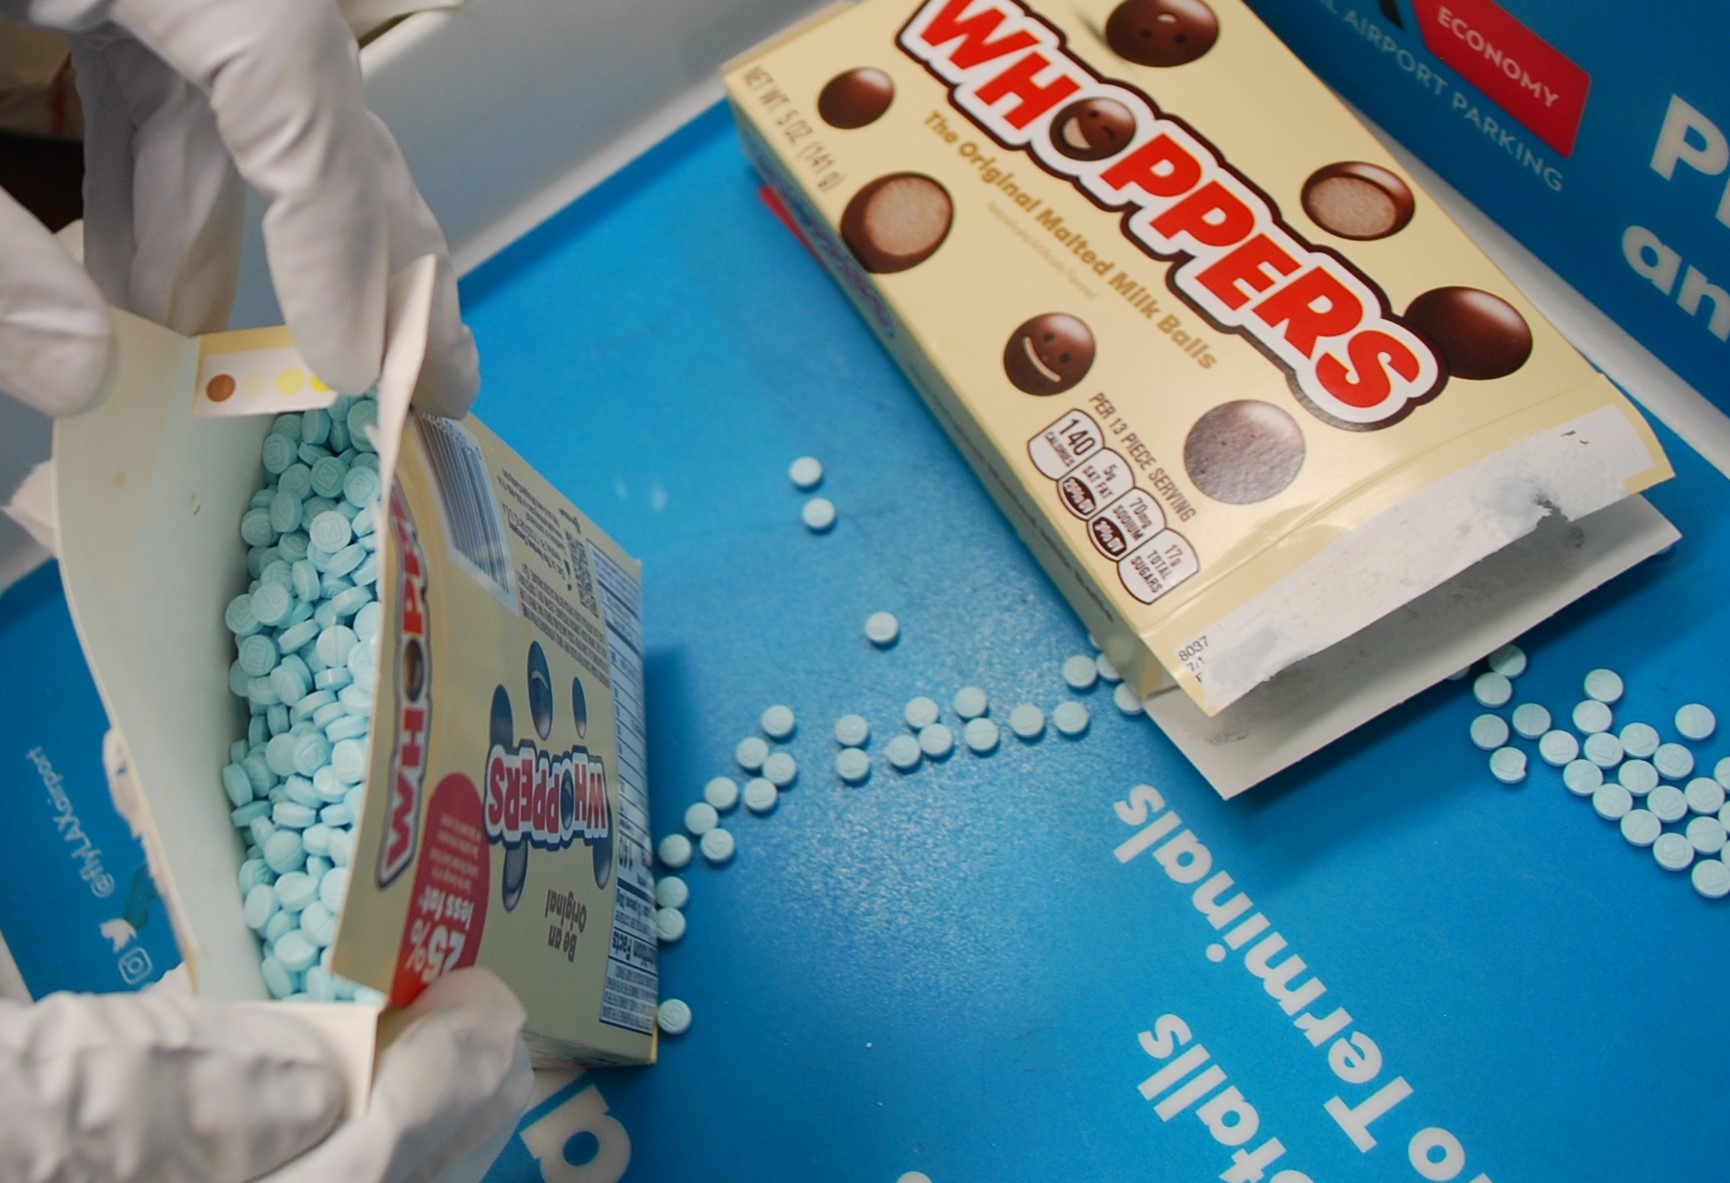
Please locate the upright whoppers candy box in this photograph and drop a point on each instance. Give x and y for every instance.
(499, 804)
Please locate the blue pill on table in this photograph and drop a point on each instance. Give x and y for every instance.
(1531, 720)
(1705, 834)
(1612, 802)
(1592, 716)
(1673, 852)
(1508, 765)
(1674, 761)
(1558, 748)
(1641, 827)
(1640, 740)
(1602, 749)
(1604, 685)
(1639, 777)
(1668, 803)
(1492, 689)
(852, 765)
(1704, 795)
(1488, 732)
(1695, 722)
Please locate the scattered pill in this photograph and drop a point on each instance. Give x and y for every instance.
(851, 731)
(1641, 827)
(1721, 771)
(1080, 672)
(1602, 749)
(1711, 878)
(1668, 802)
(881, 629)
(1695, 722)
(1582, 777)
(1531, 720)
(1639, 777)
(1705, 835)
(1591, 716)
(1492, 689)
(806, 472)
(673, 1016)
(779, 722)
(701, 818)
(852, 765)
(780, 770)
(1127, 700)
(1508, 765)
(1611, 801)
(718, 846)
(1604, 685)
(903, 753)
(674, 851)
(1674, 761)
(921, 712)
(751, 753)
(1027, 721)
(981, 736)
(818, 514)
(1509, 661)
(761, 795)
(722, 793)
(1108, 670)
(1704, 795)
(1558, 748)
(669, 925)
(1489, 732)
(1070, 718)
(1639, 740)
(970, 702)
(672, 892)
(1673, 852)
(936, 741)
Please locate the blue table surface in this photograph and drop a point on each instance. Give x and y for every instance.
(949, 971)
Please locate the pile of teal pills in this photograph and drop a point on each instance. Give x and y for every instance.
(1655, 790)
(306, 659)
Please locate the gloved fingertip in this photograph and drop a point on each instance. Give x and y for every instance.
(68, 372)
(475, 986)
(450, 379)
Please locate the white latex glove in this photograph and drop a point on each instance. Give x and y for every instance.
(185, 103)
(160, 1087)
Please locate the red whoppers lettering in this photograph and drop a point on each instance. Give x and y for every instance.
(1235, 261)
(413, 700)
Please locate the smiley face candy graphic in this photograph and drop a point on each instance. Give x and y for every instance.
(1161, 32)
(1048, 354)
(1092, 129)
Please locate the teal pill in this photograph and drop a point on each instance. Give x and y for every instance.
(981, 736)
(1508, 765)
(279, 924)
(252, 873)
(970, 702)
(296, 890)
(349, 760)
(278, 453)
(296, 636)
(335, 643)
(1492, 689)
(258, 655)
(299, 790)
(238, 785)
(314, 426)
(1027, 721)
(277, 980)
(285, 511)
(1640, 740)
(851, 731)
(277, 719)
(341, 841)
(291, 684)
(722, 793)
(352, 600)
(1711, 878)
(332, 887)
(279, 754)
(1603, 749)
(292, 547)
(271, 604)
(1071, 718)
(1695, 722)
(1604, 685)
(238, 616)
(751, 753)
(318, 924)
(1640, 827)
(366, 575)
(1674, 761)
(852, 765)
(252, 811)
(1489, 732)
(921, 712)
(362, 415)
(1591, 717)
(360, 486)
(778, 722)
(255, 527)
(1558, 748)
(1080, 672)
(1531, 720)
(936, 741)
(1673, 852)
(283, 851)
(295, 951)
(330, 531)
(1706, 835)
(287, 424)
(332, 679)
(366, 621)
(1612, 802)
(780, 770)
(347, 727)
(1637, 776)
(328, 475)
(346, 560)
(304, 580)
(1509, 661)
(316, 839)
(903, 753)
(291, 815)
(1704, 795)
(1668, 802)
(326, 715)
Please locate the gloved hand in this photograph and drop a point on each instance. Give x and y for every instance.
(160, 1087)
(185, 103)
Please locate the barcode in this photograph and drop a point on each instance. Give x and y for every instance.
(471, 509)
